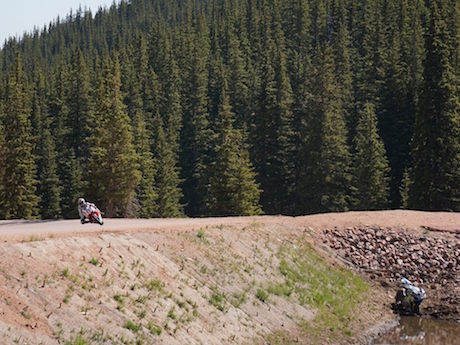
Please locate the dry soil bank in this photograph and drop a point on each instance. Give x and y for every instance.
(191, 281)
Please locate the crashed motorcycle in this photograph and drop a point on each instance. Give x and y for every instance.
(408, 298)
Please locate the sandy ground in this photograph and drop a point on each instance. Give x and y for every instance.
(18, 230)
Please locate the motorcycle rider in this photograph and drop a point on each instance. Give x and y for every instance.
(85, 209)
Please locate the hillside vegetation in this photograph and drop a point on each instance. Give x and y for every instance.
(165, 108)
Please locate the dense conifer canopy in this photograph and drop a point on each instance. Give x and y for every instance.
(165, 108)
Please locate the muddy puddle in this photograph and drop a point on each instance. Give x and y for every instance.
(421, 331)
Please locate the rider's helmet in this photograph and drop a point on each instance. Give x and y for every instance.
(81, 201)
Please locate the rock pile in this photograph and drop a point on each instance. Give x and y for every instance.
(398, 254)
(387, 254)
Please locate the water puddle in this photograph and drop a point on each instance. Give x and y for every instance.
(420, 331)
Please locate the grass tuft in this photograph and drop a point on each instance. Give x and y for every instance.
(262, 295)
(132, 326)
(217, 299)
(201, 234)
(94, 261)
(154, 329)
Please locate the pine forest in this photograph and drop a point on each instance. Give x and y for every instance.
(172, 108)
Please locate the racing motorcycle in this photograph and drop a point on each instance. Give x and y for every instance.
(95, 216)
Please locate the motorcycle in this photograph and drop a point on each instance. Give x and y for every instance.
(409, 298)
(94, 216)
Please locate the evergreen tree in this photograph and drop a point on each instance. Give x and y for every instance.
(370, 177)
(196, 134)
(396, 120)
(341, 45)
(69, 168)
(146, 196)
(319, 23)
(146, 191)
(326, 180)
(238, 80)
(436, 142)
(399, 88)
(80, 120)
(72, 183)
(49, 188)
(233, 189)
(272, 128)
(147, 81)
(48, 181)
(113, 169)
(369, 68)
(171, 106)
(405, 189)
(2, 168)
(19, 180)
(167, 177)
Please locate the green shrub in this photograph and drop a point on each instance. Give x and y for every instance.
(262, 295)
(154, 329)
(132, 326)
(218, 300)
(94, 261)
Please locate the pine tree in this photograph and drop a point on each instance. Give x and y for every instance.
(49, 188)
(238, 80)
(401, 82)
(298, 33)
(148, 83)
(80, 119)
(72, 183)
(45, 152)
(146, 195)
(69, 167)
(369, 69)
(233, 189)
(167, 177)
(19, 180)
(273, 137)
(395, 120)
(113, 169)
(215, 80)
(2, 169)
(404, 189)
(196, 134)
(326, 179)
(341, 45)
(146, 191)
(319, 23)
(436, 141)
(171, 106)
(370, 171)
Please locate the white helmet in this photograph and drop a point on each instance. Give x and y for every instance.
(81, 201)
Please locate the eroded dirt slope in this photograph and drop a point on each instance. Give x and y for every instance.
(209, 281)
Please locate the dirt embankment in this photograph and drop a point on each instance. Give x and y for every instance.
(236, 280)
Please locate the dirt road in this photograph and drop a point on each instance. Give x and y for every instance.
(18, 230)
